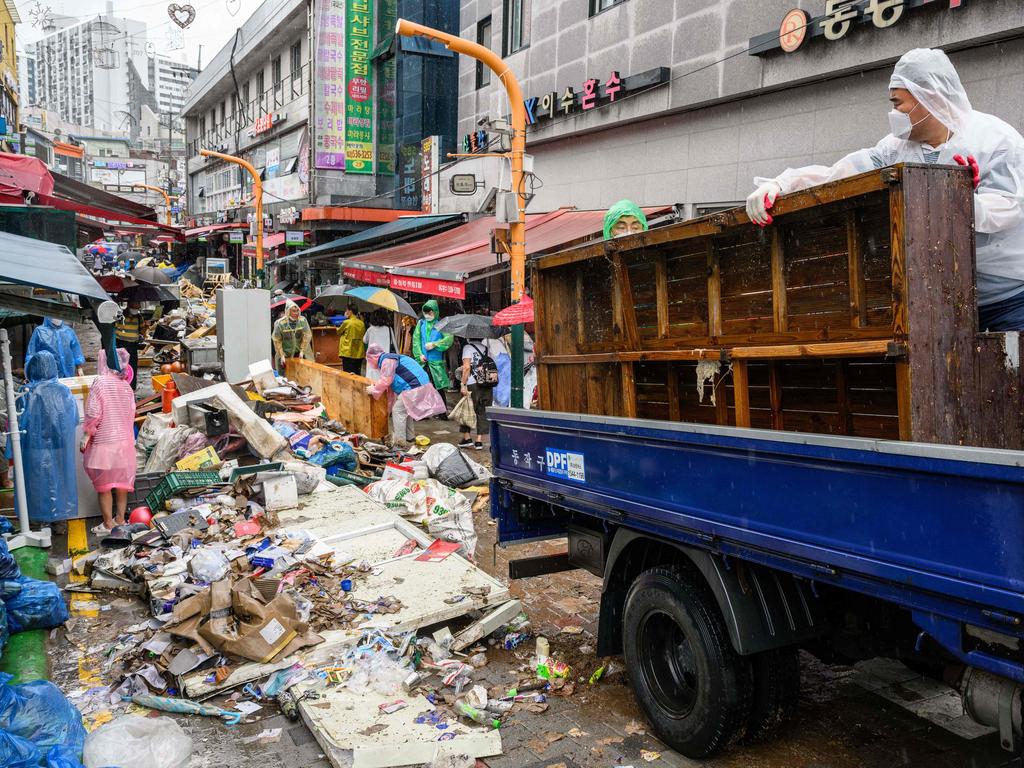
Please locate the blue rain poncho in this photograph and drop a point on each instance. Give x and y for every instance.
(48, 425)
(59, 340)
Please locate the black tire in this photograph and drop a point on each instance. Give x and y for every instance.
(776, 692)
(693, 687)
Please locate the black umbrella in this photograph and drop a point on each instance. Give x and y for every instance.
(144, 292)
(469, 327)
(333, 299)
(150, 275)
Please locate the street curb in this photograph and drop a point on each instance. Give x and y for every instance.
(25, 655)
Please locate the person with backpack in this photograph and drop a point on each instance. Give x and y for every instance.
(479, 378)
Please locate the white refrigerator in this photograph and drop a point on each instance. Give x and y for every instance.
(243, 330)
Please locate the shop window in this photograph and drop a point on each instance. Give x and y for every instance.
(596, 6)
(483, 36)
(517, 26)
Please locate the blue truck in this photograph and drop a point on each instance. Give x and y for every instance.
(803, 508)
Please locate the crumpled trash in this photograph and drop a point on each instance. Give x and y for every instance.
(378, 672)
(336, 453)
(139, 742)
(436, 455)
(62, 757)
(307, 476)
(40, 713)
(36, 605)
(16, 752)
(209, 565)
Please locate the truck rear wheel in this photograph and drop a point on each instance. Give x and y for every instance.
(693, 687)
(776, 691)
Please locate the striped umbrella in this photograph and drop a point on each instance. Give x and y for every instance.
(382, 297)
(517, 314)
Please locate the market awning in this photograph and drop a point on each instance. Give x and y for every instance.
(27, 261)
(193, 234)
(442, 265)
(385, 235)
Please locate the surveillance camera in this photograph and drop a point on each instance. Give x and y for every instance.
(483, 121)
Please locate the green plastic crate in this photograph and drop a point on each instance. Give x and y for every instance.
(176, 482)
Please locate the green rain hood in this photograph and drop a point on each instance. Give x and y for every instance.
(432, 306)
(617, 211)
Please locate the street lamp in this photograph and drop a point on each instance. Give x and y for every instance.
(517, 228)
(257, 188)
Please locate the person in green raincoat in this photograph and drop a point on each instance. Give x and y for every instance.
(430, 344)
(624, 218)
(292, 335)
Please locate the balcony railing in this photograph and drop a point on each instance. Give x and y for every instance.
(274, 98)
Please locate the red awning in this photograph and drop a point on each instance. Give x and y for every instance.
(442, 265)
(21, 173)
(191, 234)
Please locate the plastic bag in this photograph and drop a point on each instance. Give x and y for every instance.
(401, 496)
(379, 673)
(455, 471)
(6, 526)
(149, 434)
(209, 565)
(39, 712)
(138, 742)
(450, 516)
(8, 565)
(336, 452)
(5, 631)
(165, 452)
(16, 752)
(464, 413)
(307, 476)
(62, 757)
(38, 605)
(436, 454)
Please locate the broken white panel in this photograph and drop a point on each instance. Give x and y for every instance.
(352, 731)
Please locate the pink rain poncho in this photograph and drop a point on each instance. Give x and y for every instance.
(109, 421)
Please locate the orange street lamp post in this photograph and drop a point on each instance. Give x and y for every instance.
(257, 188)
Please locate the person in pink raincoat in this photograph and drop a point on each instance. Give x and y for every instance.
(411, 396)
(109, 439)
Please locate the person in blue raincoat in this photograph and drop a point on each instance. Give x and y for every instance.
(429, 345)
(61, 341)
(48, 423)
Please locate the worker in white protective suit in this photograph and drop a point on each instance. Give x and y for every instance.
(932, 122)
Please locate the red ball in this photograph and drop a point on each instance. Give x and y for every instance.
(140, 515)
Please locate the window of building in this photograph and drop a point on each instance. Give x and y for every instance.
(517, 25)
(483, 36)
(260, 85)
(596, 6)
(275, 71)
(296, 61)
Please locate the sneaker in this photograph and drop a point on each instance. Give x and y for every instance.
(101, 530)
(478, 446)
(465, 443)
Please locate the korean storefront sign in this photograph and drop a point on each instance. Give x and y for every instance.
(359, 88)
(837, 20)
(449, 289)
(329, 114)
(594, 92)
(431, 161)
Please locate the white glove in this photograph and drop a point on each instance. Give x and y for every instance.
(761, 201)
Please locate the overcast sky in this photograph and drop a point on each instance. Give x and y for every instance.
(213, 26)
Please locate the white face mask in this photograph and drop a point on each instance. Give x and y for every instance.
(57, 323)
(901, 125)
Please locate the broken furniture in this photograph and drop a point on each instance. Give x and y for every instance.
(343, 396)
(853, 314)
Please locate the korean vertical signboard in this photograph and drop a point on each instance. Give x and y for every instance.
(359, 90)
(329, 84)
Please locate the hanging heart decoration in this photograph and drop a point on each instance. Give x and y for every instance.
(233, 6)
(182, 15)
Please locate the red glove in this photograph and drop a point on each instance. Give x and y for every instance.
(972, 164)
(768, 205)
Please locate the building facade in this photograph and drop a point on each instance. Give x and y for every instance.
(9, 95)
(82, 69)
(27, 76)
(314, 95)
(687, 101)
(170, 80)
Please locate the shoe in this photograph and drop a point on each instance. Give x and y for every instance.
(478, 446)
(100, 530)
(465, 443)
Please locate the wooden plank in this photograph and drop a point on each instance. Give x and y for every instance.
(897, 212)
(581, 328)
(741, 392)
(628, 390)
(714, 292)
(775, 394)
(836, 349)
(634, 357)
(343, 397)
(661, 293)
(903, 402)
(672, 385)
(622, 297)
(595, 384)
(855, 266)
(779, 311)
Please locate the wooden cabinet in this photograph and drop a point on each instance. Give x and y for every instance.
(325, 345)
(852, 314)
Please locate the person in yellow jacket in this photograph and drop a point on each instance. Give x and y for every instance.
(351, 348)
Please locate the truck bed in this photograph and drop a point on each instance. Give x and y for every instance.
(936, 529)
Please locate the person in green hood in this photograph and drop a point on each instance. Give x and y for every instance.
(624, 218)
(430, 344)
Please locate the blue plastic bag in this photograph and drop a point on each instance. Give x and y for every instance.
(16, 752)
(6, 526)
(63, 757)
(336, 452)
(40, 713)
(38, 605)
(5, 632)
(8, 565)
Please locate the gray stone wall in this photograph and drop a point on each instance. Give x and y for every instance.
(701, 139)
